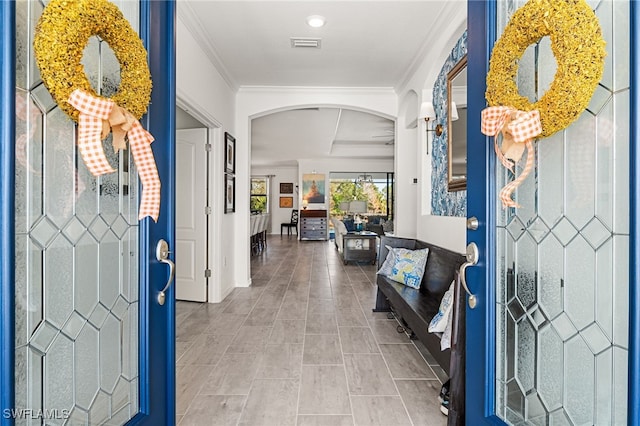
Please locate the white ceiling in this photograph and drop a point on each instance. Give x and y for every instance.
(363, 44)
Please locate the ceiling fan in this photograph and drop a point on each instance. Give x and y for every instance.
(388, 134)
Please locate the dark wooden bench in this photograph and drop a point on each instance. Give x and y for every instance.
(416, 307)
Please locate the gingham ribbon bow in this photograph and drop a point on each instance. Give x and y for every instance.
(97, 117)
(518, 128)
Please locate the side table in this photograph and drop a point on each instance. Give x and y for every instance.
(359, 247)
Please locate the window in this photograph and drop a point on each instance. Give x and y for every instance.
(259, 195)
(375, 188)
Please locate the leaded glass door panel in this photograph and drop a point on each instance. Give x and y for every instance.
(90, 338)
(553, 278)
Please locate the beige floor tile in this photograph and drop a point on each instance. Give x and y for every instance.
(262, 317)
(386, 331)
(239, 306)
(271, 402)
(351, 317)
(226, 324)
(318, 291)
(190, 329)
(189, 379)
(292, 309)
(405, 362)
(379, 411)
(291, 282)
(270, 301)
(347, 302)
(327, 420)
(358, 340)
(321, 324)
(249, 339)
(321, 306)
(322, 349)
(367, 374)
(232, 376)
(214, 410)
(282, 361)
(287, 331)
(323, 390)
(421, 399)
(181, 348)
(206, 350)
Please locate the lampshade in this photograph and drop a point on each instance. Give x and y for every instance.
(454, 111)
(358, 206)
(344, 206)
(427, 112)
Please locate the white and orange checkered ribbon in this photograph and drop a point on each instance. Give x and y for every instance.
(97, 117)
(518, 129)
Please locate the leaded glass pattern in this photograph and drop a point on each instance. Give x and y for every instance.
(562, 314)
(76, 254)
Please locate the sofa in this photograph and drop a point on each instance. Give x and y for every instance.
(415, 308)
(339, 230)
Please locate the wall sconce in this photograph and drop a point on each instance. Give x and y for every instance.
(429, 114)
(454, 112)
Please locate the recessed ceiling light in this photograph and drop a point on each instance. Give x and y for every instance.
(315, 21)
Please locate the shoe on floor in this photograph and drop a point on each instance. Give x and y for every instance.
(444, 392)
(444, 408)
(444, 398)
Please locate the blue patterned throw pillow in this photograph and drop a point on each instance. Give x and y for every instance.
(409, 266)
(442, 321)
(389, 261)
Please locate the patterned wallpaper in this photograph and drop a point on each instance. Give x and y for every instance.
(444, 203)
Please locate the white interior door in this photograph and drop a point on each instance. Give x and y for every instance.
(191, 217)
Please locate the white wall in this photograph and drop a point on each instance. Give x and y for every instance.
(406, 195)
(254, 102)
(338, 165)
(445, 231)
(204, 94)
(280, 175)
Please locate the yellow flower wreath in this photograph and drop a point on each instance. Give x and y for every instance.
(61, 36)
(579, 49)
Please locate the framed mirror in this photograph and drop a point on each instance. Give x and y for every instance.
(457, 126)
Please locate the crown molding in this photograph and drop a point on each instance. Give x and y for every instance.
(451, 13)
(317, 89)
(190, 20)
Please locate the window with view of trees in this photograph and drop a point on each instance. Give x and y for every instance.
(259, 195)
(377, 192)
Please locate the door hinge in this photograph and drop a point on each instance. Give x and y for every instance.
(207, 273)
(207, 210)
(207, 147)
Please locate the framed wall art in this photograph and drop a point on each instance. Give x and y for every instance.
(229, 153)
(313, 188)
(286, 202)
(229, 194)
(286, 188)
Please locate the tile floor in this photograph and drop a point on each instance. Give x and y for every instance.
(301, 346)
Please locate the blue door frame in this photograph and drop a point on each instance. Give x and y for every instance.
(7, 188)
(481, 356)
(157, 323)
(633, 404)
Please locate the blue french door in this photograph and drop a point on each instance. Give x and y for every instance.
(555, 333)
(84, 338)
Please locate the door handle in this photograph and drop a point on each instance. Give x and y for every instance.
(162, 254)
(472, 259)
(473, 223)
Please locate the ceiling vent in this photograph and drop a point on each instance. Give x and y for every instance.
(305, 42)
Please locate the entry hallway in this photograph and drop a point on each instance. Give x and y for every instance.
(301, 346)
